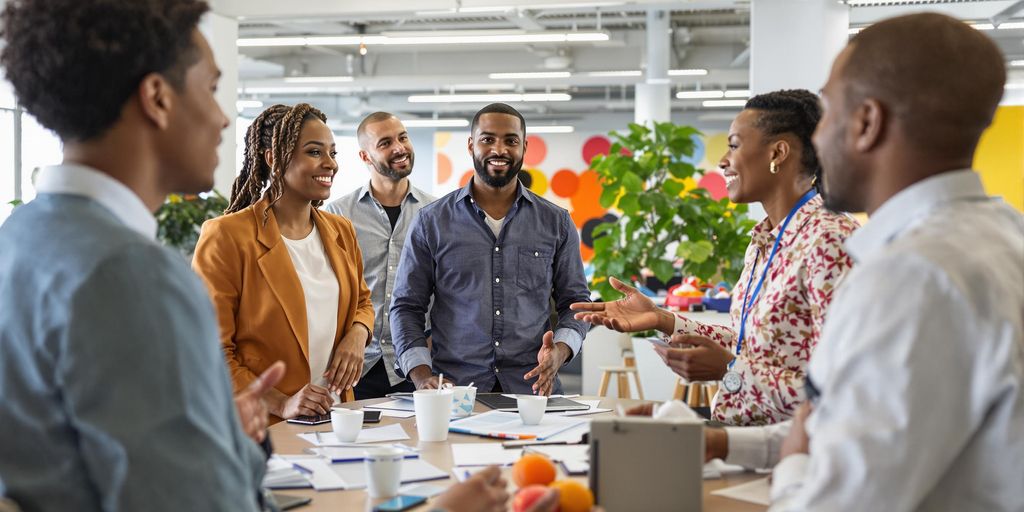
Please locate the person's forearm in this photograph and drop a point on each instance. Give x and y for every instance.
(666, 321)
(275, 402)
(420, 374)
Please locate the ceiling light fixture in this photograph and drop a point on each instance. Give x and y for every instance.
(446, 38)
(1016, 63)
(687, 72)
(724, 103)
(529, 75)
(244, 104)
(550, 129)
(488, 98)
(317, 79)
(699, 95)
(738, 93)
(435, 123)
(612, 74)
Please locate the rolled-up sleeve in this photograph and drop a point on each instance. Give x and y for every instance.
(570, 286)
(410, 302)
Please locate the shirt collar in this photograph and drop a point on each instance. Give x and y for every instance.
(413, 193)
(764, 234)
(911, 203)
(79, 180)
(521, 192)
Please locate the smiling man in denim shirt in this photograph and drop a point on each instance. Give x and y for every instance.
(491, 255)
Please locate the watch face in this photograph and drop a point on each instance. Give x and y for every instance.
(732, 382)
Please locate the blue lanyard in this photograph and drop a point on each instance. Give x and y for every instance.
(748, 302)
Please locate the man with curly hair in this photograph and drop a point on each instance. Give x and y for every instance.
(115, 395)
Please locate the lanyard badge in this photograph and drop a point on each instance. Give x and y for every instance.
(732, 380)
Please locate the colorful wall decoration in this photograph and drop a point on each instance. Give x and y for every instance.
(1000, 156)
(558, 164)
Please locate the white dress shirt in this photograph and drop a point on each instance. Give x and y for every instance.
(320, 291)
(113, 195)
(921, 362)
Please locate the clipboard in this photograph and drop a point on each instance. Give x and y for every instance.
(647, 464)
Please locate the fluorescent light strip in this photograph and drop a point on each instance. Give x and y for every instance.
(1014, 86)
(699, 95)
(435, 123)
(724, 103)
(687, 72)
(497, 86)
(487, 98)
(550, 129)
(555, 37)
(317, 79)
(611, 74)
(529, 75)
(1016, 63)
(1010, 26)
(738, 93)
(243, 104)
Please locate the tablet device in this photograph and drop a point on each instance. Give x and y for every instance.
(371, 416)
(501, 402)
(400, 396)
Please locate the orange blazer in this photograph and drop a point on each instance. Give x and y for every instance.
(258, 296)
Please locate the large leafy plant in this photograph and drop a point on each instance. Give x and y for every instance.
(181, 217)
(665, 217)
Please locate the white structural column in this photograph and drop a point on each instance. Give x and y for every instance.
(653, 98)
(793, 42)
(222, 34)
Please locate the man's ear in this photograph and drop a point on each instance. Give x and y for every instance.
(156, 99)
(869, 120)
(364, 156)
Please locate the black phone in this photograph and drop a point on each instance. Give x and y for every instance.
(371, 416)
(399, 503)
(311, 420)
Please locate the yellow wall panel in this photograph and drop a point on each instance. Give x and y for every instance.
(1000, 156)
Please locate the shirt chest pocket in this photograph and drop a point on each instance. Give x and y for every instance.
(533, 272)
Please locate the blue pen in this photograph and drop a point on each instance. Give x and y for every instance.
(301, 469)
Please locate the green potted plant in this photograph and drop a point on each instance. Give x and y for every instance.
(663, 219)
(181, 217)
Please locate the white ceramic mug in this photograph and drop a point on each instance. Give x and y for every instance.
(346, 424)
(463, 400)
(383, 471)
(433, 410)
(531, 408)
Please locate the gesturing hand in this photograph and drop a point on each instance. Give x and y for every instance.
(311, 400)
(707, 360)
(252, 410)
(482, 492)
(634, 312)
(346, 364)
(550, 358)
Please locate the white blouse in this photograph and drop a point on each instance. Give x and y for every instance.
(321, 291)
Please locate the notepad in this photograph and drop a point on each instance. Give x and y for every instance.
(413, 470)
(394, 405)
(393, 432)
(508, 425)
(281, 474)
(340, 454)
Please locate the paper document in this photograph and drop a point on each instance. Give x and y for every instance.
(339, 454)
(388, 413)
(318, 471)
(593, 404)
(759, 492)
(413, 470)
(483, 454)
(394, 405)
(393, 432)
(281, 474)
(508, 425)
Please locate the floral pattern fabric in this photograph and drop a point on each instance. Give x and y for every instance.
(786, 319)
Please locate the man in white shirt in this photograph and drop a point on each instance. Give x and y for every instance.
(920, 372)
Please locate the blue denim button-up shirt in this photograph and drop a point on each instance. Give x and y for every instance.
(491, 296)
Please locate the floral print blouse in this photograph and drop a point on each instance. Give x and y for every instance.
(786, 319)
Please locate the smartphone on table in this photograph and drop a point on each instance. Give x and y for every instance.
(399, 503)
(368, 417)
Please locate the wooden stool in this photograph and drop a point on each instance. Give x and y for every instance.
(622, 374)
(696, 394)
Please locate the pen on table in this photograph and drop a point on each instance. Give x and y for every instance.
(530, 442)
(301, 469)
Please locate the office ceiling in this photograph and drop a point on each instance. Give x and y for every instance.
(710, 35)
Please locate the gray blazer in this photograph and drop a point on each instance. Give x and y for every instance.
(114, 390)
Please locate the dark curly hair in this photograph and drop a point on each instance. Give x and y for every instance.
(793, 111)
(277, 129)
(74, 63)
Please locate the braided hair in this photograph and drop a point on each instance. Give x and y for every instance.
(277, 129)
(794, 111)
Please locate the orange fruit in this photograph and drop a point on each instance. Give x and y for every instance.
(573, 496)
(533, 468)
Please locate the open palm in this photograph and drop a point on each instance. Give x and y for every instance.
(634, 312)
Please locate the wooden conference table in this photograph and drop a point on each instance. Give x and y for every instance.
(286, 442)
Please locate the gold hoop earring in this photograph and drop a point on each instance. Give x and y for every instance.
(772, 168)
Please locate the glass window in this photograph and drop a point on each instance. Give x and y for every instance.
(6, 162)
(39, 147)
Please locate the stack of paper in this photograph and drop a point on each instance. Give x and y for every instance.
(394, 405)
(393, 432)
(281, 474)
(594, 409)
(574, 458)
(340, 454)
(508, 425)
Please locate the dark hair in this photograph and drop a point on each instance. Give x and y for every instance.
(277, 129)
(525, 178)
(793, 111)
(375, 117)
(74, 63)
(497, 108)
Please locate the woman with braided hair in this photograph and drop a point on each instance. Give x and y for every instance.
(793, 263)
(287, 278)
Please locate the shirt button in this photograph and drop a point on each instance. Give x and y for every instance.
(391, 267)
(535, 254)
(496, 370)
(497, 279)
(385, 313)
(497, 249)
(496, 344)
(497, 312)
(388, 295)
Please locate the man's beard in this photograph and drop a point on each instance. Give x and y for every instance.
(385, 169)
(496, 181)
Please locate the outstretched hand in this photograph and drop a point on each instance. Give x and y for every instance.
(550, 358)
(632, 313)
